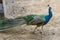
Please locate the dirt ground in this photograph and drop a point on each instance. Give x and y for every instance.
(24, 32)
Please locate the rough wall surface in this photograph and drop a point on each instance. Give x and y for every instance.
(31, 7)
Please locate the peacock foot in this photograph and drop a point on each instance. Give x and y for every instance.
(43, 33)
(33, 32)
(53, 33)
(40, 32)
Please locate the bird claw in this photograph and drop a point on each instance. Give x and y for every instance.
(33, 32)
(53, 33)
(42, 33)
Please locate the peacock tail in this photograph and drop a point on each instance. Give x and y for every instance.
(6, 23)
(9, 23)
(1, 22)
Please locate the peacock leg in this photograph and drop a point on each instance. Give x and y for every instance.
(35, 29)
(42, 31)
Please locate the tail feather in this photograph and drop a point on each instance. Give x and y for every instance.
(12, 23)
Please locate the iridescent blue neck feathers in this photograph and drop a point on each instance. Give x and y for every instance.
(48, 17)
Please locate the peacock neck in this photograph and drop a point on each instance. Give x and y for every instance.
(48, 17)
(50, 12)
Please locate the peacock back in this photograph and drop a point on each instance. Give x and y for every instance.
(31, 17)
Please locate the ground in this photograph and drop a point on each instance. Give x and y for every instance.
(24, 32)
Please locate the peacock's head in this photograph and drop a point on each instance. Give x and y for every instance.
(49, 7)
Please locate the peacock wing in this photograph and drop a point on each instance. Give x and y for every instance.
(37, 20)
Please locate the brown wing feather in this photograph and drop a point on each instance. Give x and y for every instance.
(36, 21)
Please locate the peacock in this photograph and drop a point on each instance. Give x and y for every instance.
(32, 19)
(39, 20)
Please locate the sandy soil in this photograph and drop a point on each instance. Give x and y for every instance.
(24, 32)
